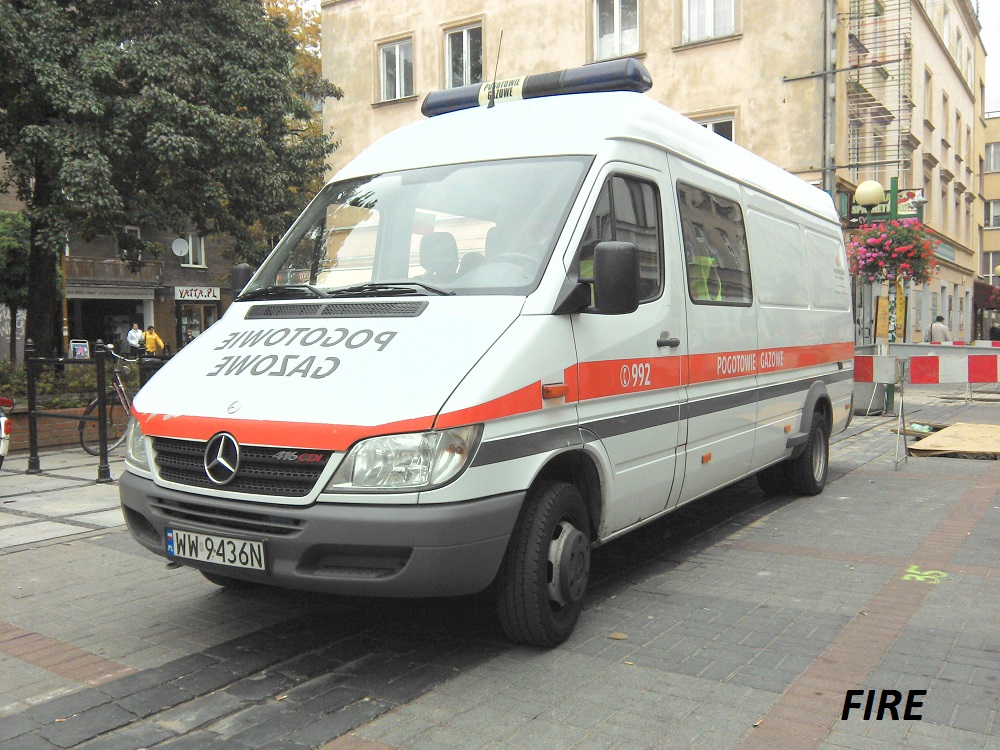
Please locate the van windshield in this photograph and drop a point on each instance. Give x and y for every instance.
(479, 228)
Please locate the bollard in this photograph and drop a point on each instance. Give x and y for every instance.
(103, 469)
(34, 466)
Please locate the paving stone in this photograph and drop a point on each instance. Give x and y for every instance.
(16, 725)
(154, 700)
(61, 708)
(197, 712)
(141, 735)
(336, 724)
(86, 725)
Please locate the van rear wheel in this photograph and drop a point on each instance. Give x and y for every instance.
(543, 577)
(807, 473)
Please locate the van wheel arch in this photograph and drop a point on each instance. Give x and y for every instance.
(579, 469)
(817, 401)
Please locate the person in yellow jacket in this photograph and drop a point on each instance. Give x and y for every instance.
(153, 342)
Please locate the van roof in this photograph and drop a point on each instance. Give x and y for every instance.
(577, 124)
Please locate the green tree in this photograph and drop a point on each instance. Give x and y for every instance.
(150, 112)
(14, 246)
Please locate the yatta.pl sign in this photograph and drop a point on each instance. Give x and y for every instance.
(196, 293)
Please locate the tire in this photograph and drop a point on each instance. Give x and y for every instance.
(807, 473)
(225, 581)
(117, 422)
(774, 479)
(543, 576)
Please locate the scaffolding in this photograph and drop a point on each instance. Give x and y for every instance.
(879, 90)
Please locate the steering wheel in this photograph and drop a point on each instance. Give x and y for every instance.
(526, 261)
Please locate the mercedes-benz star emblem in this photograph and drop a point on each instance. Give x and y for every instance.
(222, 458)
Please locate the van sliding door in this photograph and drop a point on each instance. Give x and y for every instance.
(722, 330)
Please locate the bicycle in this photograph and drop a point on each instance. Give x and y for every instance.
(117, 409)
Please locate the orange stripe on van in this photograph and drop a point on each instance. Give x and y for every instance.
(336, 437)
(520, 401)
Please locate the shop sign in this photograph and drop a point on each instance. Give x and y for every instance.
(196, 293)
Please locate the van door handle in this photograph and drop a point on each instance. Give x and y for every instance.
(671, 342)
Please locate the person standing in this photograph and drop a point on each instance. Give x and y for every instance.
(938, 331)
(153, 342)
(135, 340)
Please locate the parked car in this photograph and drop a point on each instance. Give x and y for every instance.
(5, 426)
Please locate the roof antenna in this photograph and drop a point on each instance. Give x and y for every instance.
(493, 88)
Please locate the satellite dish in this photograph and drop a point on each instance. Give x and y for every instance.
(179, 247)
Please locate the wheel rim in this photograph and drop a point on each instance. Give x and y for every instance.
(819, 456)
(569, 565)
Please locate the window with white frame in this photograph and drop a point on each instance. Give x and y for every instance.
(720, 126)
(992, 215)
(707, 19)
(993, 157)
(616, 28)
(196, 251)
(464, 56)
(396, 69)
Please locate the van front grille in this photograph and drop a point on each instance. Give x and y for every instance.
(228, 519)
(281, 472)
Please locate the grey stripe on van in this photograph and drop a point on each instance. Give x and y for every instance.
(520, 446)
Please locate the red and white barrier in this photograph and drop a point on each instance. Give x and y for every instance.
(873, 368)
(929, 369)
(972, 368)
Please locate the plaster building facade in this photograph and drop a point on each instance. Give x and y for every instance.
(990, 189)
(835, 91)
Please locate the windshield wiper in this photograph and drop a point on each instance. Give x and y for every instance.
(292, 291)
(389, 289)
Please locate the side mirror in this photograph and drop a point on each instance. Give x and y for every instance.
(239, 277)
(616, 277)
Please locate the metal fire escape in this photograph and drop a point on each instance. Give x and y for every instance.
(879, 91)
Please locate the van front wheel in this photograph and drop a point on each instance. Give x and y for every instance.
(807, 473)
(543, 577)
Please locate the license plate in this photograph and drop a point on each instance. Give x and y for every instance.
(213, 548)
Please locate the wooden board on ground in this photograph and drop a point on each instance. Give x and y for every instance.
(961, 440)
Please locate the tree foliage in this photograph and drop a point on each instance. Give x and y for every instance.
(161, 113)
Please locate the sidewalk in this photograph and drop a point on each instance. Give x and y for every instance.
(736, 622)
(64, 502)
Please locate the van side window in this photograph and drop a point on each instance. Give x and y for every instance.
(628, 210)
(715, 248)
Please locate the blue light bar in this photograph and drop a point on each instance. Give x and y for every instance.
(614, 75)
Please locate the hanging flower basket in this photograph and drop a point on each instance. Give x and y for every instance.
(893, 250)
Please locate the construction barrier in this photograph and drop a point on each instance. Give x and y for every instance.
(972, 368)
(929, 369)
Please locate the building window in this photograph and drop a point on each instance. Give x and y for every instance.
(616, 24)
(707, 19)
(396, 69)
(993, 157)
(722, 126)
(464, 50)
(992, 215)
(854, 148)
(928, 96)
(196, 251)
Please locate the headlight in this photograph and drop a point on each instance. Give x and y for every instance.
(418, 460)
(135, 447)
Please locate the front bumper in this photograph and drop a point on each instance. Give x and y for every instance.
(364, 550)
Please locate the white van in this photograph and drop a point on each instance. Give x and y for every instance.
(500, 337)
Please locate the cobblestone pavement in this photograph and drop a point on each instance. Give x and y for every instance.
(738, 621)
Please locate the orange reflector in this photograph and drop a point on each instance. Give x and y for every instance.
(706, 458)
(788, 428)
(556, 390)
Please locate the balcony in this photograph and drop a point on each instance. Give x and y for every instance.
(110, 272)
